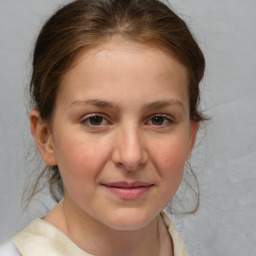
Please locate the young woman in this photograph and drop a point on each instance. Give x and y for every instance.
(115, 94)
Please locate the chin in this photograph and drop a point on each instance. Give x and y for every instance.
(131, 219)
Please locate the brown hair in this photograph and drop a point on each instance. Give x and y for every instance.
(82, 24)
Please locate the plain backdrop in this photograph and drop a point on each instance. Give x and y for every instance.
(225, 161)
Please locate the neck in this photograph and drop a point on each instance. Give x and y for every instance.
(97, 239)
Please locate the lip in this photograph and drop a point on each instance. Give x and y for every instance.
(128, 191)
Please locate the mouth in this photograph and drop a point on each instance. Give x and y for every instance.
(128, 191)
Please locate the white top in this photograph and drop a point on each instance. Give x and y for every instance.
(40, 238)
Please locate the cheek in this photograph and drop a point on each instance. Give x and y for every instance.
(80, 165)
(171, 154)
(80, 158)
(169, 157)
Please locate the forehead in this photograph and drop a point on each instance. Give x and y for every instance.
(118, 65)
(118, 46)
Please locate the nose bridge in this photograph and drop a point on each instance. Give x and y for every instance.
(130, 147)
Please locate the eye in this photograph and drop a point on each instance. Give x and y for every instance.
(160, 120)
(94, 120)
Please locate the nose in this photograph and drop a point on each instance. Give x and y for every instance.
(129, 152)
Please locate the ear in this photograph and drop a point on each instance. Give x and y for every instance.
(43, 137)
(192, 138)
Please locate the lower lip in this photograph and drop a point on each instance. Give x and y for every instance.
(129, 193)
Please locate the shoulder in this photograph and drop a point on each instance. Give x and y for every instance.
(9, 249)
(40, 238)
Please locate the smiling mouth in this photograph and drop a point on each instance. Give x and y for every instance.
(128, 191)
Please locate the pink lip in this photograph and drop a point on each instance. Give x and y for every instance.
(128, 191)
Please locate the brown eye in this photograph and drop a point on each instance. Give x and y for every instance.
(161, 120)
(95, 120)
(158, 120)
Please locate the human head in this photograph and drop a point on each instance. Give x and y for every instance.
(84, 24)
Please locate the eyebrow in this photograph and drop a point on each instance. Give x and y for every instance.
(163, 103)
(96, 102)
(150, 106)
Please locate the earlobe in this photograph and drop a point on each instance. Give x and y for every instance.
(43, 137)
(193, 132)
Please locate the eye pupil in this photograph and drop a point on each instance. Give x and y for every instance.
(157, 120)
(96, 120)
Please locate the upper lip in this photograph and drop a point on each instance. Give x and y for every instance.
(124, 184)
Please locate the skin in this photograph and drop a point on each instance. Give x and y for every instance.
(144, 134)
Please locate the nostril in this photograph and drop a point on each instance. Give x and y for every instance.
(119, 165)
(128, 166)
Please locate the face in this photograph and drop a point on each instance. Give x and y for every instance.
(121, 133)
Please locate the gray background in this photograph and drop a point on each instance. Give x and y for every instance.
(225, 160)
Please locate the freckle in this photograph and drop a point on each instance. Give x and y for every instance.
(168, 162)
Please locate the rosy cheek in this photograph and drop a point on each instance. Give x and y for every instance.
(172, 155)
(86, 158)
(171, 161)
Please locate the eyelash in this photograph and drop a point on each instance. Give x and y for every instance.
(167, 120)
(87, 119)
